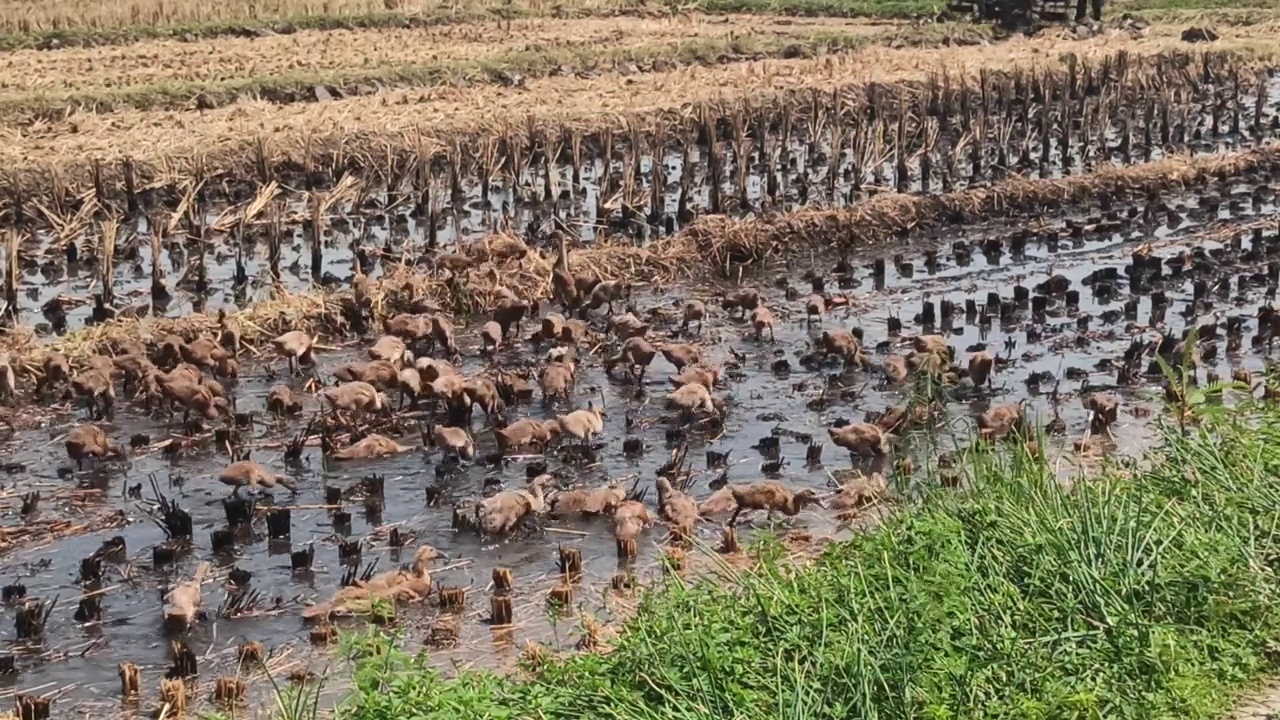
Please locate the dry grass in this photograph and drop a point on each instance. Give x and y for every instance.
(166, 144)
(28, 16)
(41, 75)
(711, 240)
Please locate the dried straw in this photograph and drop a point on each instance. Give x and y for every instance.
(336, 135)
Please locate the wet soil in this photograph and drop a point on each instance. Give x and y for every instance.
(1233, 224)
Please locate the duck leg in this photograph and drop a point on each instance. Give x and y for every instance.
(733, 521)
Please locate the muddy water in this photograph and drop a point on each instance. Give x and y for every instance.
(759, 402)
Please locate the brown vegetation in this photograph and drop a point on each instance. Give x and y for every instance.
(330, 56)
(164, 142)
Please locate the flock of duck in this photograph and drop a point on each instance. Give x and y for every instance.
(411, 372)
(408, 393)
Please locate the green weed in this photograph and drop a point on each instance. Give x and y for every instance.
(1138, 594)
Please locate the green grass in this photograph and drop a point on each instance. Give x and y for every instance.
(1139, 594)
(528, 63)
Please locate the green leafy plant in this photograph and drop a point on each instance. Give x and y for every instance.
(1183, 395)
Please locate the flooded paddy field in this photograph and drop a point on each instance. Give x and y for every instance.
(1079, 300)
(270, 238)
(1071, 295)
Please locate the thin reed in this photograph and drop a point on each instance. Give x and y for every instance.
(12, 276)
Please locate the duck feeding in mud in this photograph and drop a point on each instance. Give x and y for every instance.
(584, 425)
(357, 396)
(404, 585)
(770, 495)
(251, 475)
(455, 440)
(499, 514)
(8, 378)
(90, 442)
(296, 347)
(370, 447)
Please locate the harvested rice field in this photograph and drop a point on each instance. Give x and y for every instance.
(1067, 346)
(478, 362)
(76, 18)
(186, 72)
(360, 131)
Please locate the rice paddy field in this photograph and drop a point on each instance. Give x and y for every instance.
(397, 359)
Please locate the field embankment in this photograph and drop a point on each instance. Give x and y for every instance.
(1138, 594)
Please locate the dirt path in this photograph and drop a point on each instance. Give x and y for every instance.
(1261, 705)
(31, 73)
(225, 136)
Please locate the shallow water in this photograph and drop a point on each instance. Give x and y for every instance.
(759, 402)
(521, 206)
